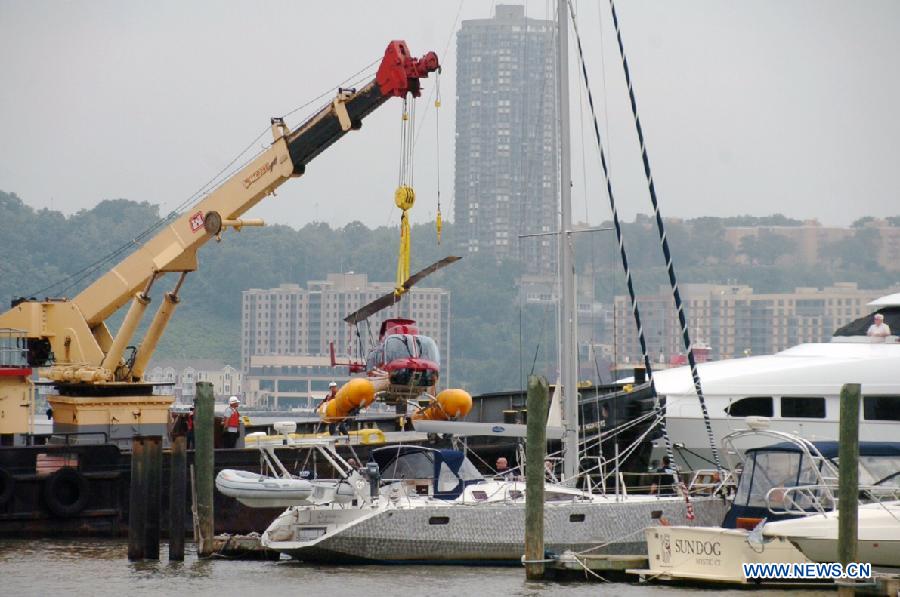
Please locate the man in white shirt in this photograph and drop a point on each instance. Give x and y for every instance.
(879, 330)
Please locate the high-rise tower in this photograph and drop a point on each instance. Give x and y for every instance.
(507, 172)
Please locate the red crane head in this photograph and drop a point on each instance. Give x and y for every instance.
(399, 72)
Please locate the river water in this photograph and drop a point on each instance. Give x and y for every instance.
(55, 567)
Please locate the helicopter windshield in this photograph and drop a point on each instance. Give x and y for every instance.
(427, 348)
(405, 346)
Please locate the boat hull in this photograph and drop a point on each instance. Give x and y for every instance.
(709, 554)
(878, 553)
(878, 532)
(486, 533)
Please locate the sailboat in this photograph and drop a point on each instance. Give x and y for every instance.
(418, 504)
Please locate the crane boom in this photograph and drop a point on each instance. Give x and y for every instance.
(75, 332)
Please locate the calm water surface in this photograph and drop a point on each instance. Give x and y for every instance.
(101, 567)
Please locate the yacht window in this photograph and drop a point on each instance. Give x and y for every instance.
(879, 470)
(803, 407)
(773, 469)
(759, 406)
(417, 465)
(744, 477)
(881, 408)
(447, 481)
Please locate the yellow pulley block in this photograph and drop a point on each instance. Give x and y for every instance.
(404, 197)
(439, 224)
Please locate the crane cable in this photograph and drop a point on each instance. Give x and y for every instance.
(438, 221)
(405, 196)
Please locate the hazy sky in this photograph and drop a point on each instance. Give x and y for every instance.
(748, 107)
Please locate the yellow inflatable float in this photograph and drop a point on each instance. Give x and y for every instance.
(449, 404)
(356, 394)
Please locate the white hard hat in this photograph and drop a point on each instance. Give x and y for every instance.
(234, 400)
(332, 385)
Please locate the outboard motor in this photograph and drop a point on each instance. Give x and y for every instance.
(373, 474)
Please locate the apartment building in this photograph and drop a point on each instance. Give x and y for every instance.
(734, 321)
(180, 377)
(296, 321)
(507, 172)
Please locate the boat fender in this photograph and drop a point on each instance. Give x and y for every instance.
(66, 492)
(7, 486)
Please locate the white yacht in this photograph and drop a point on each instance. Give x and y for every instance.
(878, 529)
(783, 510)
(797, 389)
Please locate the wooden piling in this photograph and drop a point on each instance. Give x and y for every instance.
(848, 478)
(177, 496)
(153, 495)
(535, 452)
(204, 433)
(136, 518)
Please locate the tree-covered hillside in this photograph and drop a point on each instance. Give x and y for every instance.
(494, 339)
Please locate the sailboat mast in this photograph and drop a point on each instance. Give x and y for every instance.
(568, 355)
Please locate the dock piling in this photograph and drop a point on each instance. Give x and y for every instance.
(153, 494)
(177, 496)
(136, 518)
(848, 478)
(204, 433)
(535, 452)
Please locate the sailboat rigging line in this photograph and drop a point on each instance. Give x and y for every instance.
(628, 281)
(663, 240)
(540, 336)
(616, 223)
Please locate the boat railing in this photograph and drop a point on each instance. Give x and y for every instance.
(267, 444)
(804, 500)
(712, 482)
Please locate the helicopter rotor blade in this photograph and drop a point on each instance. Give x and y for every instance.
(393, 298)
(382, 302)
(416, 277)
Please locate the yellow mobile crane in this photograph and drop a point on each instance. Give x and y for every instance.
(97, 388)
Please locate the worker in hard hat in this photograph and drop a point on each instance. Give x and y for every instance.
(231, 423)
(341, 427)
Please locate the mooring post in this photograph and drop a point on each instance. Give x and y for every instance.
(177, 497)
(848, 478)
(136, 518)
(204, 432)
(153, 488)
(535, 452)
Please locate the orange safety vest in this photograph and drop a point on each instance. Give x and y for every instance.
(234, 419)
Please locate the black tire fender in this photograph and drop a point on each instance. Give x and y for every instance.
(7, 486)
(66, 492)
